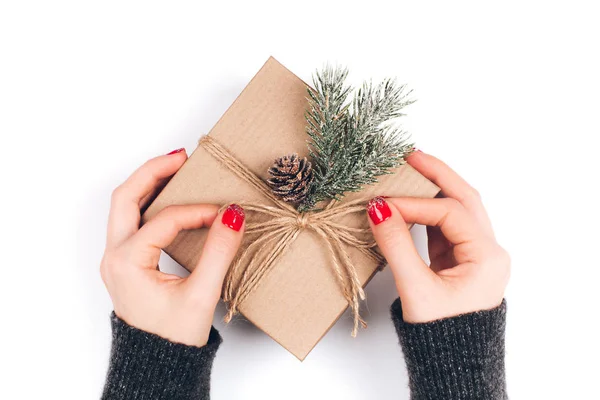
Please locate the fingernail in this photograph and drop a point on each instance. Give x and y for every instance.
(175, 151)
(233, 217)
(378, 210)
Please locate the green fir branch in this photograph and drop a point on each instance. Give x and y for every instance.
(352, 141)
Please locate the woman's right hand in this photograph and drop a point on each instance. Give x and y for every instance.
(469, 270)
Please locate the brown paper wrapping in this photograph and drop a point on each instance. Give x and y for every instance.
(299, 300)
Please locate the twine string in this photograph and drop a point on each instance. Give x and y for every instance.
(280, 230)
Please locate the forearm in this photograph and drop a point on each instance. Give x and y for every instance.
(146, 366)
(455, 358)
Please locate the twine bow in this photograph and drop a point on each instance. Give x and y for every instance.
(281, 229)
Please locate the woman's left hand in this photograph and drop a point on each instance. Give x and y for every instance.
(178, 309)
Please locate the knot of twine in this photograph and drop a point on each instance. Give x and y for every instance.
(302, 220)
(280, 230)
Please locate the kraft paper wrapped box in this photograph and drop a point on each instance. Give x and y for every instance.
(299, 299)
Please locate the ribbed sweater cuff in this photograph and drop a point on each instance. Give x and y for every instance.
(146, 366)
(455, 358)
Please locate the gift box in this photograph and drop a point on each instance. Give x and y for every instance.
(307, 285)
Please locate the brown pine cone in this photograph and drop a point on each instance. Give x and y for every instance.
(290, 178)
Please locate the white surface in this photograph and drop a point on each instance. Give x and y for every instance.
(508, 95)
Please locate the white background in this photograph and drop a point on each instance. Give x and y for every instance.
(508, 94)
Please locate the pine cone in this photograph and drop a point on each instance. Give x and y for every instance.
(290, 178)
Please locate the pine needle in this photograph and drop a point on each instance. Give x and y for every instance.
(353, 141)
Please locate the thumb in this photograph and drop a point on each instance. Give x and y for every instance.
(223, 241)
(394, 240)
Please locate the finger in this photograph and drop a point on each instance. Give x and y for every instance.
(161, 230)
(220, 248)
(456, 224)
(150, 197)
(451, 184)
(393, 238)
(124, 216)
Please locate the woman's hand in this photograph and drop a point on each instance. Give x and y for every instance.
(178, 309)
(469, 270)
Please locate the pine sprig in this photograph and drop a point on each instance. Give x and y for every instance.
(352, 141)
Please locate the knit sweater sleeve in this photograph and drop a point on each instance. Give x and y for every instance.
(146, 366)
(455, 358)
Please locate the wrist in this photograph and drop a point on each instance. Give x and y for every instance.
(456, 357)
(183, 327)
(143, 361)
(428, 311)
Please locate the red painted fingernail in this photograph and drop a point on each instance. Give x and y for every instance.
(233, 217)
(379, 210)
(175, 151)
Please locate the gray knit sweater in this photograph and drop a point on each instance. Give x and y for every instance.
(453, 358)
